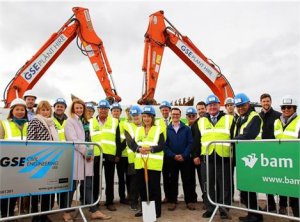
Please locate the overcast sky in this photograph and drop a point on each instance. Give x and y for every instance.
(256, 45)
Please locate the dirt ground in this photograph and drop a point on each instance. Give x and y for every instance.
(182, 214)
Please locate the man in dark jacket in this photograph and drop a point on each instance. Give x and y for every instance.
(269, 115)
(178, 149)
(248, 127)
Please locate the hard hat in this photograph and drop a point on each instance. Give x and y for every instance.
(241, 99)
(190, 110)
(116, 106)
(165, 104)
(212, 99)
(149, 110)
(229, 100)
(18, 101)
(60, 101)
(103, 104)
(288, 101)
(29, 93)
(90, 106)
(135, 110)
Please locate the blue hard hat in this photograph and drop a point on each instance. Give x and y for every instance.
(135, 110)
(103, 104)
(90, 106)
(60, 101)
(241, 99)
(165, 104)
(190, 110)
(116, 106)
(212, 99)
(149, 110)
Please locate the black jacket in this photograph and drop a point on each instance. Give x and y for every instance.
(268, 123)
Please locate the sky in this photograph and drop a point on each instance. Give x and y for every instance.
(256, 45)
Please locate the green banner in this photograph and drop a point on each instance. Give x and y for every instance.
(269, 167)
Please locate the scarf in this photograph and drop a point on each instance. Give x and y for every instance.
(50, 126)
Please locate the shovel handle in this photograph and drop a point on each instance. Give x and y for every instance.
(145, 160)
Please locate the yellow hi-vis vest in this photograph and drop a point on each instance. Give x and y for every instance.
(60, 129)
(161, 122)
(250, 117)
(155, 160)
(122, 135)
(104, 135)
(290, 132)
(13, 132)
(130, 128)
(221, 131)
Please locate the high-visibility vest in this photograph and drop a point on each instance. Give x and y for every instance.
(130, 128)
(60, 129)
(104, 135)
(290, 132)
(221, 131)
(122, 135)
(155, 160)
(13, 132)
(161, 122)
(244, 125)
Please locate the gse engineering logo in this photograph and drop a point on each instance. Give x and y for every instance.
(39, 164)
(251, 160)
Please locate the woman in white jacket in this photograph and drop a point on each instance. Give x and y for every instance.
(77, 130)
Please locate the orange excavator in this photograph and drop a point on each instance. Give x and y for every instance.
(158, 36)
(80, 26)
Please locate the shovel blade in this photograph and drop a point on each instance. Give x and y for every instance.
(149, 212)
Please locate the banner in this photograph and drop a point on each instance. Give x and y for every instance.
(269, 167)
(29, 168)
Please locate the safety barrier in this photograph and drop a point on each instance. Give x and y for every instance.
(31, 171)
(262, 167)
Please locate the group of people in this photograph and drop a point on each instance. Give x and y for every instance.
(163, 145)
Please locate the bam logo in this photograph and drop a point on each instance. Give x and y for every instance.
(250, 161)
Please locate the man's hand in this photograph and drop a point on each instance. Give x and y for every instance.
(179, 158)
(197, 161)
(144, 150)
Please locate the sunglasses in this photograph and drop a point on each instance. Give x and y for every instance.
(191, 116)
(286, 107)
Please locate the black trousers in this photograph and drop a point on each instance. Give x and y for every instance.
(134, 191)
(193, 169)
(295, 206)
(109, 173)
(154, 188)
(123, 178)
(166, 178)
(220, 180)
(96, 181)
(184, 169)
(282, 200)
(8, 204)
(46, 200)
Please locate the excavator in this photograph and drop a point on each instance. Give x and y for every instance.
(158, 36)
(80, 26)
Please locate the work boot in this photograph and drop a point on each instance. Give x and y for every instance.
(171, 207)
(282, 210)
(190, 206)
(111, 207)
(138, 214)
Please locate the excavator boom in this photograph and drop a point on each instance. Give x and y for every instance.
(158, 36)
(79, 25)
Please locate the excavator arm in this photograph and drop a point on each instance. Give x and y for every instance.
(79, 25)
(157, 37)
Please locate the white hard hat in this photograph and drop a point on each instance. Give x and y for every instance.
(29, 93)
(229, 100)
(17, 101)
(288, 101)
